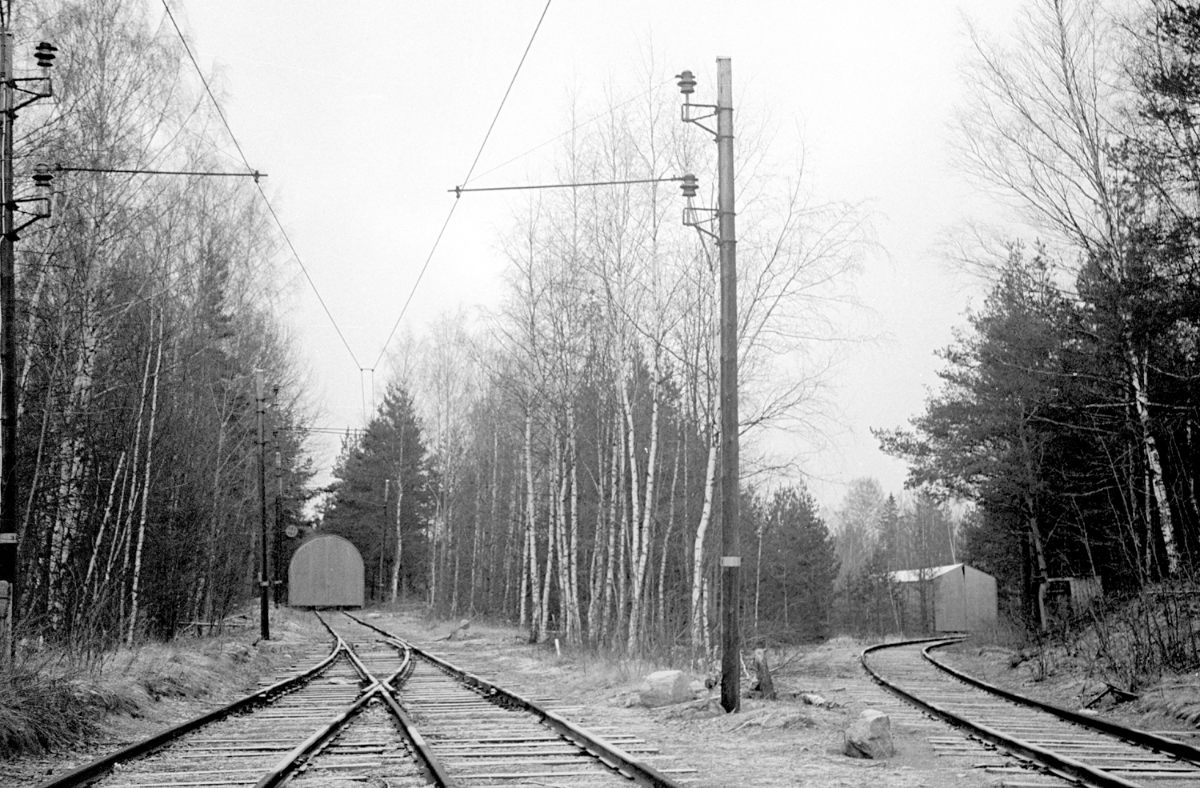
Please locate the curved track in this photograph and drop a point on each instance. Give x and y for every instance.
(1077, 748)
(373, 710)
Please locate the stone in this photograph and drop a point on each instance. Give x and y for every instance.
(870, 736)
(664, 688)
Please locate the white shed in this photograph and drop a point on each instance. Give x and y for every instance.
(950, 598)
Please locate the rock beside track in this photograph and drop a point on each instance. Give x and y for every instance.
(665, 688)
(870, 736)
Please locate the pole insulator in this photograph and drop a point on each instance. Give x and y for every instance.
(44, 54)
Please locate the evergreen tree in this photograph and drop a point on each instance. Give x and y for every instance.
(798, 567)
(385, 467)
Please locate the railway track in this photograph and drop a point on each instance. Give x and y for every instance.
(1059, 745)
(378, 711)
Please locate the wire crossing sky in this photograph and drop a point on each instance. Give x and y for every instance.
(361, 115)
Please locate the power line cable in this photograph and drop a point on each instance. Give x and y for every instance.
(270, 208)
(474, 162)
(558, 137)
(255, 174)
(457, 190)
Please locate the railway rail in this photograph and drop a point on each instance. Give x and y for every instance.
(374, 707)
(1061, 745)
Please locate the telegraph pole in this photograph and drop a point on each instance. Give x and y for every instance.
(9, 104)
(387, 491)
(276, 530)
(264, 574)
(731, 553)
(726, 237)
(8, 348)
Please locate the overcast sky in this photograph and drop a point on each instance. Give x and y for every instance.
(365, 112)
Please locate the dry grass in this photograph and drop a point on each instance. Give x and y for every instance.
(51, 699)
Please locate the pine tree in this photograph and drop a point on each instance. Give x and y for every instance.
(387, 467)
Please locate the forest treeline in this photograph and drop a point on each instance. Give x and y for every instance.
(565, 474)
(573, 464)
(555, 460)
(1068, 407)
(144, 306)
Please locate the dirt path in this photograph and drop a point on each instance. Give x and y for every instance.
(769, 744)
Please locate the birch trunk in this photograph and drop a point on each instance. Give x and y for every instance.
(666, 542)
(149, 464)
(607, 616)
(104, 521)
(1149, 447)
(397, 531)
(640, 544)
(473, 580)
(563, 545)
(510, 580)
(69, 510)
(699, 628)
(573, 532)
(599, 539)
(551, 548)
(535, 621)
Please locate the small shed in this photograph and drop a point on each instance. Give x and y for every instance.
(950, 598)
(1066, 598)
(326, 571)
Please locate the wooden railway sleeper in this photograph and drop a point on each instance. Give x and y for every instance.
(1058, 764)
(612, 756)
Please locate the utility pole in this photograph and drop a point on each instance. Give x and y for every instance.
(9, 515)
(731, 554)
(264, 574)
(387, 489)
(726, 237)
(276, 530)
(8, 378)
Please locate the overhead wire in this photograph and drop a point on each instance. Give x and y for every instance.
(569, 185)
(270, 208)
(470, 171)
(581, 124)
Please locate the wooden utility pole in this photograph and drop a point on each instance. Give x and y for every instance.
(277, 526)
(8, 348)
(731, 558)
(387, 492)
(726, 237)
(264, 573)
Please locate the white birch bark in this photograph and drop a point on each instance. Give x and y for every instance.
(1149, 447)
(397, 532)
(536, 622)
(699, 622)
(149, 465)
(643, 532)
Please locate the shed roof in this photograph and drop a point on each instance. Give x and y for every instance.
(917, 575)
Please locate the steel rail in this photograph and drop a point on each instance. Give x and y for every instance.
(610, 755)
(1136, 736)
(91, 771)
(384, 690)
(1056, 762)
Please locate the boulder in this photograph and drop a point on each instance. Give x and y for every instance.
(665, 687)
(870, 736)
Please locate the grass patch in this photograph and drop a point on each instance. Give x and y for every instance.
(51, 699)
(46, 703)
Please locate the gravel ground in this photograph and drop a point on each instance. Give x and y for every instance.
(769, 743)
(1071, 684)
